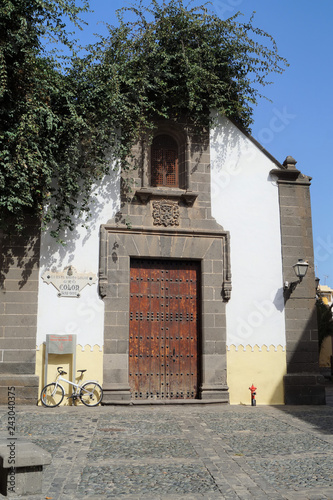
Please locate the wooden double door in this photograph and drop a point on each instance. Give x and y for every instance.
(164, 329)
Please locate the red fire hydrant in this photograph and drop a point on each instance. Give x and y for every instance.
(253, 395)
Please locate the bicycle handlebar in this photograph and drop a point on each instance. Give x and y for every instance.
(61, 371)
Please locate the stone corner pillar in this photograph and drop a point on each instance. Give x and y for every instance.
(302, 384)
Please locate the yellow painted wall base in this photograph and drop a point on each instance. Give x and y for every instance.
(87, 358)
(264, 368)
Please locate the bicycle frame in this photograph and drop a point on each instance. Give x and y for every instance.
(89, 392)
(77, 386)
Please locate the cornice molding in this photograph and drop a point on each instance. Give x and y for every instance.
(146, 194)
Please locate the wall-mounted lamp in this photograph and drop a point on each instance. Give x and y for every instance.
(317, 280)
(300, 268)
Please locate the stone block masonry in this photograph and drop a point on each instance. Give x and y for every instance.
(302, 384)
(19, 264)
(161, 222)
(25, 477)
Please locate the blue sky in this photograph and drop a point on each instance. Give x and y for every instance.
(301, 97)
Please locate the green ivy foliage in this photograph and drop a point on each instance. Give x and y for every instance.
(37, 111)
(60, 117)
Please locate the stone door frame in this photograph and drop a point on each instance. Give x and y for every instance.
(117, 246)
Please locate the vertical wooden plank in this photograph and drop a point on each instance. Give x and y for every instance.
(193, 332)
(145, 327)
(134, 330)
(164, 329)
(173, 326)
(184, 365)
(155, 375)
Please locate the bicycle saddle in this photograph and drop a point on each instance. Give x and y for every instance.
(82, 371)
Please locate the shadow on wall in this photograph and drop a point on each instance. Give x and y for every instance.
(104, 203)
(309, 385)
(19, 254)
(226, 133)
(278, 300)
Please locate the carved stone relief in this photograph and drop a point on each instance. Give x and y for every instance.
(165, 213)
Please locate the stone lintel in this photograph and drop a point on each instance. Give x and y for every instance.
(145, 194)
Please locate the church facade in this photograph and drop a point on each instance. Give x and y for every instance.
(182, 285)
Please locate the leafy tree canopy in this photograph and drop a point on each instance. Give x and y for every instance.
(164, 61)
(37, 109)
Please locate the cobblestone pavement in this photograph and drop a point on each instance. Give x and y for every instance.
(182, 452)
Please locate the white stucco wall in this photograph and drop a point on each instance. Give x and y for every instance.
(245, 202)
(83, 316)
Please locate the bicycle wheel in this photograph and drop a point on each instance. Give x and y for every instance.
(52, 395)
(91, 394)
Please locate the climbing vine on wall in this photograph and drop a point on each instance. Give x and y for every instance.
(60, 116)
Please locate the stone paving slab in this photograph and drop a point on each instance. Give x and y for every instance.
(181, 452)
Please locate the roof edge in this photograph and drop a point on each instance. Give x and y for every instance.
(257, 144)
